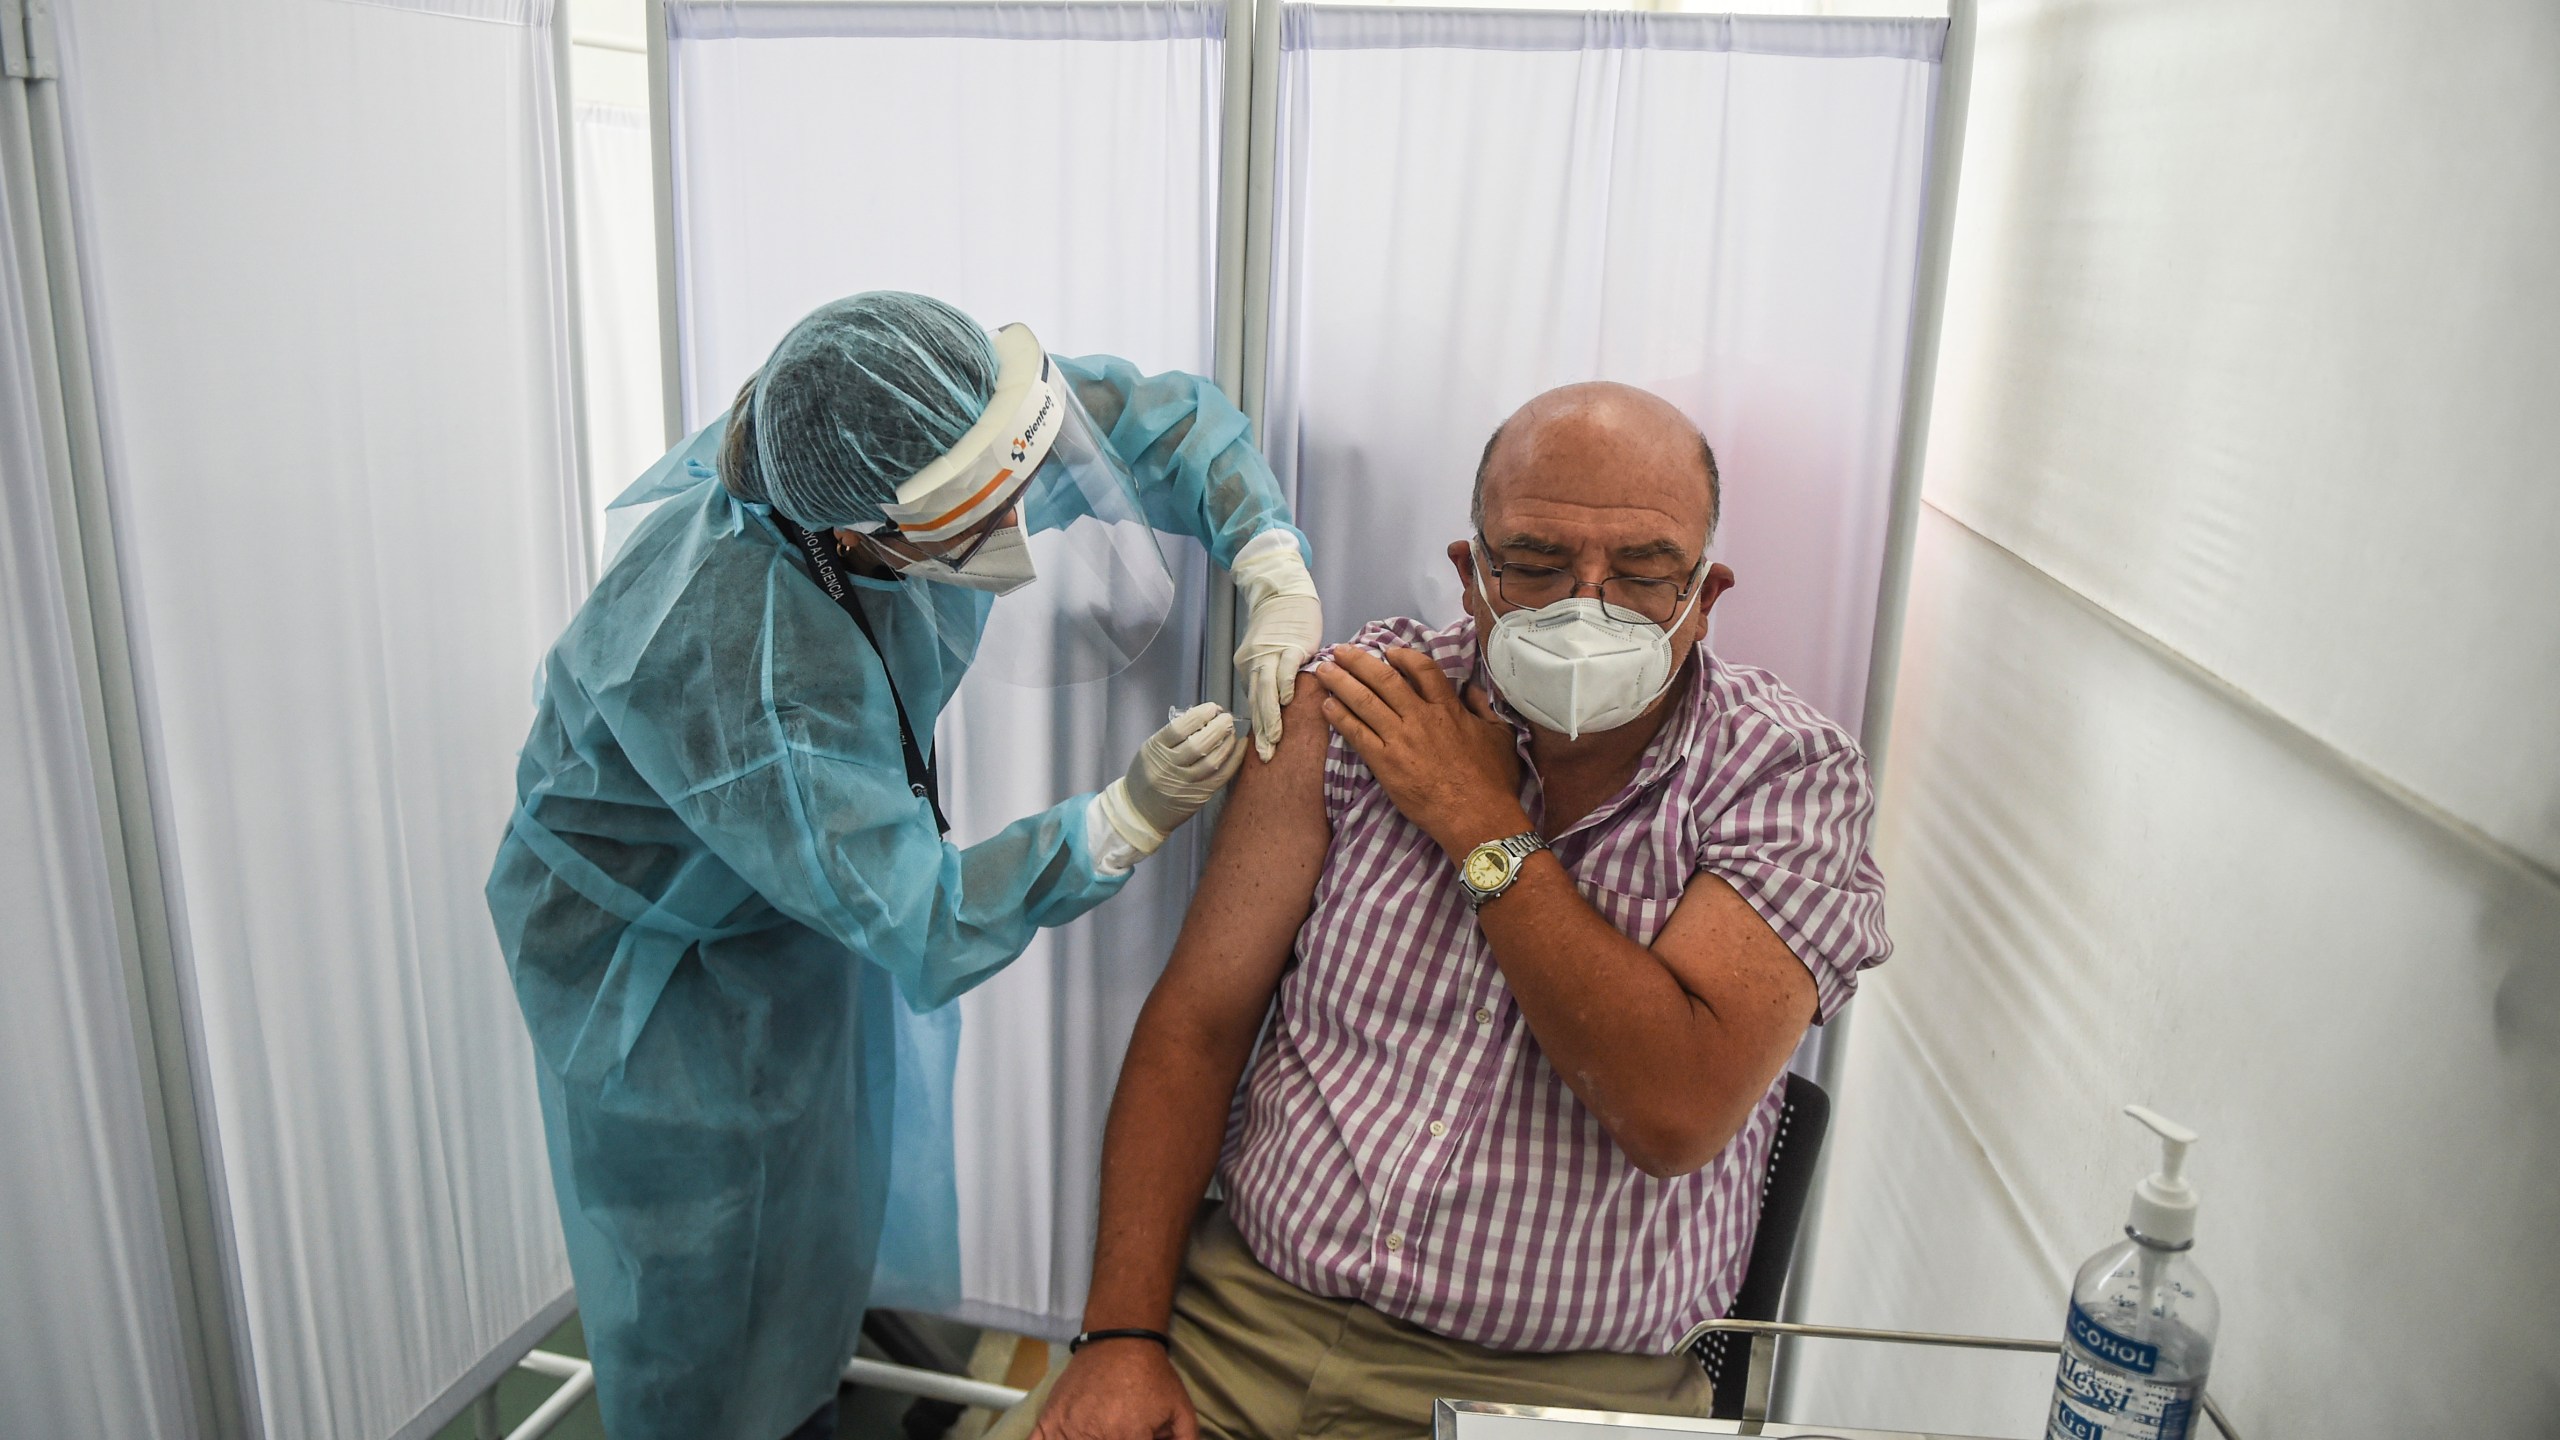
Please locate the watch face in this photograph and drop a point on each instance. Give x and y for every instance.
(1488, 868)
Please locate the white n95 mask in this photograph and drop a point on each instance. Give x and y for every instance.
(1573, 667)
(1001, 566)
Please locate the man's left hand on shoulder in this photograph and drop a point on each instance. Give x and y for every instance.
(1450, 764)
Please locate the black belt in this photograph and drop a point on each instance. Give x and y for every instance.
(826, 558)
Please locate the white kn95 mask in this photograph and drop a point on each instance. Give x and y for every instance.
(1573, 667)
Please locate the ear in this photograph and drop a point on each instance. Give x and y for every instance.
(1711, 588)
(1468, 593)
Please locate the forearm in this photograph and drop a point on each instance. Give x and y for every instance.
(987, 900)
(1168, 1118)
(1646, 1055)
(1169, 1114)
(1190, 453)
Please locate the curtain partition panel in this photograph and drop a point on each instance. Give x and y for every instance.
(1048, 163)
(323, 248)
(2225, 772)
(618, 310)
(89, 1346)
(1474, 206)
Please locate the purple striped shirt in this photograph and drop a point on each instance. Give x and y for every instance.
(1401, 1139)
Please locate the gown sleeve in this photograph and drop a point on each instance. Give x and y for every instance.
(1190, 454)
(797, 782)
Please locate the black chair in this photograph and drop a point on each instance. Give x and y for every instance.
(1802, 1121)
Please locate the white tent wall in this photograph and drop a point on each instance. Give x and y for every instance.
(1477, 206)
(2224, 771)
(1097, 229)
(89, 1343)
(324, 257)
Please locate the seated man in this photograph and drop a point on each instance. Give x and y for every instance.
(1547, 902)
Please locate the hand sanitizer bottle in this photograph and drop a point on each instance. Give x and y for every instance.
(2139, 1337)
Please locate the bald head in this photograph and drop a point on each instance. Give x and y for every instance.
(1603, 443)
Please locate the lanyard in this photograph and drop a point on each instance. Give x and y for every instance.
(924, 778)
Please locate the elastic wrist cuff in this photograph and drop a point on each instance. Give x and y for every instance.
(1123, 816)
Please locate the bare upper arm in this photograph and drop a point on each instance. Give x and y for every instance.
(1722, 952)
(1257, 887)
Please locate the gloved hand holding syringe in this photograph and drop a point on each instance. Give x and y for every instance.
(1175, 773)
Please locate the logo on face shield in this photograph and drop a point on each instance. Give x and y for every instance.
(1021, 447)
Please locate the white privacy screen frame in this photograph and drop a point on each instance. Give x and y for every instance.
(1475, 206)
(89, 1340)
(1075, 191)
(331, 346)
(1006, 150)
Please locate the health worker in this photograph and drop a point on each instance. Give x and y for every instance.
(725, 893)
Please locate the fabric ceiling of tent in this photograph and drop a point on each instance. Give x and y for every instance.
(1074, 190)
(2224, 776)
(89, 1345)
(324, 248)
(1475, 206)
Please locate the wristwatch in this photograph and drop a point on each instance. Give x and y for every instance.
(1490, 868)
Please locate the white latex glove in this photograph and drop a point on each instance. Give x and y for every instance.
(1177, 770)
(1284, 625)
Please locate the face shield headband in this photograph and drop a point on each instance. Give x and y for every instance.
(980, 476)
(1077, 579)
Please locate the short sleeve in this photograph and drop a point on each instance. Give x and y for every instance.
(1793, 844)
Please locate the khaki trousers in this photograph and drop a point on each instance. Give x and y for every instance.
(1265, 1360)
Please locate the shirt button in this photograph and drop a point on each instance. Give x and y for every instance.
(1439, 1129)
(1395, 1240)
(1483, 1016)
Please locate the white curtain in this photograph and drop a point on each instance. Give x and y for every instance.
(1048, 163)
(2225, 771)
(88, 1325)
(322, 245)
(618, 306)
(1476, 206)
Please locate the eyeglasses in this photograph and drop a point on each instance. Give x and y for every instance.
(968, 551)
(959, 551)
(1650, 598)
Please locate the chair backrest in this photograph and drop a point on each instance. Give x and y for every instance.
(1802, 1121)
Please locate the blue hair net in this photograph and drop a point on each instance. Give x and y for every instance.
(863, 393)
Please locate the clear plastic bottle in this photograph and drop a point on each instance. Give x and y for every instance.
(2138, 1340)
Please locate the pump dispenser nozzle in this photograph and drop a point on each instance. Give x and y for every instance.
(2164, 1204)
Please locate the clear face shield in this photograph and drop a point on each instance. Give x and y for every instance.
(1025, 546)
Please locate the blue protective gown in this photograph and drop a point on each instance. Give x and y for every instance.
(731, 923)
